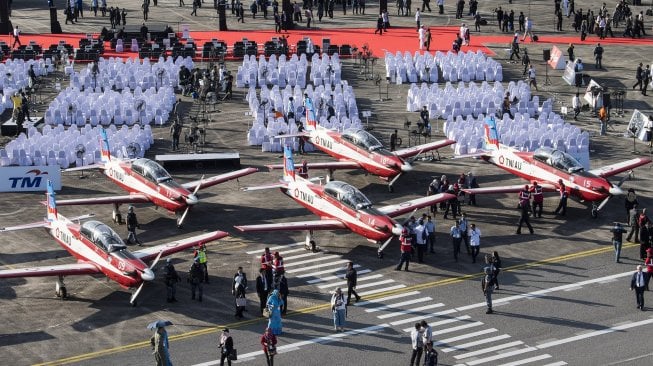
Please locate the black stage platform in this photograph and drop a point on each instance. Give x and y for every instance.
(9, 127)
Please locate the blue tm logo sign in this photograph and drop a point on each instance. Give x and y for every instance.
(31, 179)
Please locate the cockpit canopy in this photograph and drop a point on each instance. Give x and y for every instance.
(347, 194)
(362, 138)
(151, 170)
(558, 159)
(102, 236)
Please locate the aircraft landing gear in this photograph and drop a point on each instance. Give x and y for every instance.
(330, 174)
(595, 211)
(60, 289)
(392, 182)
(117, 217)
(310, 244)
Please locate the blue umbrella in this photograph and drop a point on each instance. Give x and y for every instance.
(159, 324)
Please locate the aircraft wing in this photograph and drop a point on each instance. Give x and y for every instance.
(416, 150)
(614, 169)
(150, 253)
(546, 187)
(408, 206)
(477, 154)
(329, 165)
(208, 182)
(329, 224)
(84, 167)
(80, 268)
(131, 198)
(32, 225)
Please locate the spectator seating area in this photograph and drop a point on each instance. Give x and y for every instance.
(266, 126)
(280, 72)
(59, 146)
(75, 107)
(119, 74)
(325, 70)
(471, 99)
(14, 73)
(425, 67)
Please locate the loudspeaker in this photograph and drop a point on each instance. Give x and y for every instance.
(546, 54)
(53, 15)
(55, 27)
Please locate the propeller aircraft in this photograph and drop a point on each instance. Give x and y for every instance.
(549, 167)
(99, 250)
(358, 149)
(340, 206)
(148, 182)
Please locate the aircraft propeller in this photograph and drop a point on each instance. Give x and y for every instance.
(190, 201)
(615, 190)
(396, 231)
(147, 275)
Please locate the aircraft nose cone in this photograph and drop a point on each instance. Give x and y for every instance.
(616, 191)
(191, 199)
(406, 167)
(397, 229)
(147, 275)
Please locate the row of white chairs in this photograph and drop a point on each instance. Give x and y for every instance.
(14, 73)
(73, 106)
(258, 73)
(61, 146)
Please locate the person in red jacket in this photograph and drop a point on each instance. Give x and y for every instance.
(269, 343)
(406, 249)
(538, 199)
(277, 268)
(266, 264)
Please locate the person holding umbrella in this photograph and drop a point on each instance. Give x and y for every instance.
(226, 346)
(160, 343)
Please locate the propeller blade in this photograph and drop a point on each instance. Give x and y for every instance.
(630, 173)
(135, 294)
(183, 216)
(385, 244)
(198, 186)
(408, 218)
(156, 260)
(603, 203)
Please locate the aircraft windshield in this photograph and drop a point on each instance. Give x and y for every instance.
(102, 236)
(362, 139)
(347, 194)
(558, 159)
(151, 170)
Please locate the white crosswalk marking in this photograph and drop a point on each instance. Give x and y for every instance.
(501, 355)
(377, 283)
(384, 289)
(322, 265)
(386, 298)
(488, 350)
(292, 258)
(330, 270)
(474, 343)
(272, 249)
(320, 259)
(423, 317)
(448, 341)
(529, 360)
(335, 277)
(411, 311)
(559, 363)
(343, 283)
(460, 327)
(398, 305)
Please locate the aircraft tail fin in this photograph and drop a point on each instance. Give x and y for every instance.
(51, 203)
(104, 146)
(288, 165)
(491, 134)
(311, 119)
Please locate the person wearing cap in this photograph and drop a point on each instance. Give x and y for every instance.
(171, 278)
(274, 304)
(487, 287)
(352, 278)
(200, 254)
(226, 347)
(132, 224)
(195, 275)
(406, 248)
(638, 283)
(339, 309)
(269, 344)
(617, 239)
(538, 199)
(562, 204)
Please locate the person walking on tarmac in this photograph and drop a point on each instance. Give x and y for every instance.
(171, 278)
(277, 268)
(175, 131)
(523, 219)
(226, 347)
(562, 204)
(617, 239)
(525, 198)
(262, 288)
(352, 277)
(406, 249)
(195, 276)
(266, 264)
(238, 291)
(132, 224)
(538, 199)
(269, 343)
(200, 254)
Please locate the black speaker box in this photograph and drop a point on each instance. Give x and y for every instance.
(546, 54)
(55, 27)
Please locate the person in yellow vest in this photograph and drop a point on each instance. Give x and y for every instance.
(200, 254)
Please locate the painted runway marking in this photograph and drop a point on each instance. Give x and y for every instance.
(475, 343)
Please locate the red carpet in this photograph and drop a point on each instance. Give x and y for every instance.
(397, 39)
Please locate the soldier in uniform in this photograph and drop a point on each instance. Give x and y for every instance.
(195, 275)
(171, 278)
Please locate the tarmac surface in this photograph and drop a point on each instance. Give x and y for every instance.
(565, 301)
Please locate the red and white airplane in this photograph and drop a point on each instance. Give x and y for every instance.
(340, 206)
(147, 181)
(99, 250)
(548, 167)
(358, 149)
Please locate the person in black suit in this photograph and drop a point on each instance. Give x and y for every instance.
(284, 291)
(638, 283)
(262, 288)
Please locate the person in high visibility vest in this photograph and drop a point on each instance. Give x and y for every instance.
(200, 254)
(266, 264)
(525, 197)
(277, 268)
(406, 249)
(538, 199)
